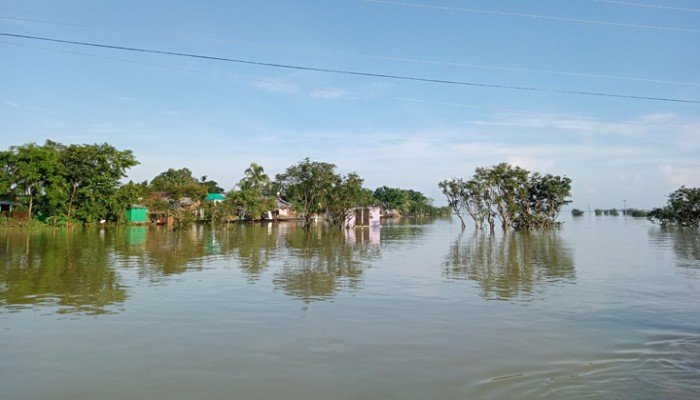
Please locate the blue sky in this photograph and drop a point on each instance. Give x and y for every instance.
(217, 117)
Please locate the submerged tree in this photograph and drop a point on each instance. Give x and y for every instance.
(682, 208)
(455, 191)
(307, 186)
(516, 197)
(346, 194)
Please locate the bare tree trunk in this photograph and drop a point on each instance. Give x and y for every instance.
(461, 220)
(70, 203)
(31, 203)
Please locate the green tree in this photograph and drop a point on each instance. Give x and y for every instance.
(255, 177)
(392, 198)
(178, 183)
(455, 191)
(250, 200)
(307, 185)
(28, 171)
(211, 186)
(346, 194)
(92, 174)
(518, 198)
(682, 208)
(126, 195)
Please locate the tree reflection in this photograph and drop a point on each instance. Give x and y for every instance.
(685, 242)
(320, 263)
(58, 268)
(257, 245)
(160, 252)
(512, 266)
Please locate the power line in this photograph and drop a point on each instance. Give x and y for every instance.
(348, 72)
(531, 112)
(536, 16)
(646, 5)
(399, 98)
(458, 64)
(401, 59)
(40, 21)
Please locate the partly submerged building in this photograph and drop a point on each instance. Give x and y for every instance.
(364, 216)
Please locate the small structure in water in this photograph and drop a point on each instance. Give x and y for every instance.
(136, 214)
(364, 216)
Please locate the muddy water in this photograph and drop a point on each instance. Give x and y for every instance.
(605, 307)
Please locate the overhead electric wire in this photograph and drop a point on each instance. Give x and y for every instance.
(399, 98)
(40, 21)
(647, 5)
(349, 72)
(397, 58)
(531, 112)
(536, 16)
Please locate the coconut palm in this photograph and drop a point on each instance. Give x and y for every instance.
(255, 177)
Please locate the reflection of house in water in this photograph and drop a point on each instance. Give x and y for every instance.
(136, 236)
(371, 235)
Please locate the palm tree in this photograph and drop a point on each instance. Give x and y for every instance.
(255, 177)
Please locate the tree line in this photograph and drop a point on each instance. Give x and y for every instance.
(60, 183)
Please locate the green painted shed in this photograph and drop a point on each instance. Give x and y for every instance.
(136, 214)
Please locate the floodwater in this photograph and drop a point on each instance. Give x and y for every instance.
(603, 308)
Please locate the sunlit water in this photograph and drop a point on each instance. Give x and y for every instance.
(605, 307)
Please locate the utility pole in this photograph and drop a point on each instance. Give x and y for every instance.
(624, 211)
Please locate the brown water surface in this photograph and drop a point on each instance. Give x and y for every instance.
(605, 307)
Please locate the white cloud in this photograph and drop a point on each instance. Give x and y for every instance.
(679, 176)
(543, 165)
(275, 86)
(10, 103)
(329, 93)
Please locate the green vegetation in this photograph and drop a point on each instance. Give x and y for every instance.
(682, 208)
(576, 212)
(405, 201)
(518, 198)
(636, 213)
(60, 184)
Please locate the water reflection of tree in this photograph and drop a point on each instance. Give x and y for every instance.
(71, 269)
(257, 245)
(512, 266)
(159, 252)
(685, 242)
(319, 263)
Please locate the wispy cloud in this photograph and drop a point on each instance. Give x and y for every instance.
(10, 103)
(330, 93)
(14, 104)
(275, 86)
